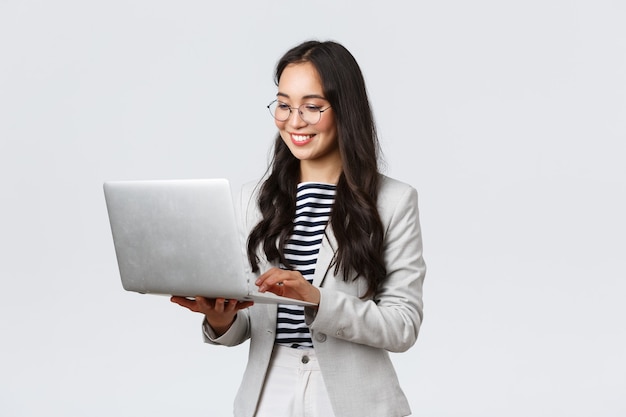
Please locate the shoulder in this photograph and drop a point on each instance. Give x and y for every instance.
(390, 187)
(391, 191)
(394, 196)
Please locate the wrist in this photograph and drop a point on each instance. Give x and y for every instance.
(316, 296)
(220, 327)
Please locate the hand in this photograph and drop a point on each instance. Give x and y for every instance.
(220, 313)
(288, 284)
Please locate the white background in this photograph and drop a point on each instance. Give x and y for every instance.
(509, 117)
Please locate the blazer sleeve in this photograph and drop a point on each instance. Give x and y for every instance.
(238, 333)
(392, 318)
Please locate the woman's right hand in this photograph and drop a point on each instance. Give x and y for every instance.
(219, 312)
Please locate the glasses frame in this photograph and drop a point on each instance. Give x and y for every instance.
(300, 112)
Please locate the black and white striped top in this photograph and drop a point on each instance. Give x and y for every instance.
(314, 202)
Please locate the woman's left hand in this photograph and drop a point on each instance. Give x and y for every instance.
(288, 284)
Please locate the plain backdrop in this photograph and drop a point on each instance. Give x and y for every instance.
(509, 117)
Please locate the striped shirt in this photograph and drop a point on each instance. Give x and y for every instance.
(314, 202)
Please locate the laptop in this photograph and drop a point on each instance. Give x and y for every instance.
(181, 237)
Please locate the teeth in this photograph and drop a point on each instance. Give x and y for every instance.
(301, 138)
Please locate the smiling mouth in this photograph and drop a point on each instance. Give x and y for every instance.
(301, 138)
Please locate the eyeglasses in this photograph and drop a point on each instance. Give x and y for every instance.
(310, 113)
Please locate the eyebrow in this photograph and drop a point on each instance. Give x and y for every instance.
(279, 94)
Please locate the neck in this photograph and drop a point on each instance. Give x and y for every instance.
(326, 173)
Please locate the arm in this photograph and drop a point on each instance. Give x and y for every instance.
(237, 332)
(390, 320)
(225, 321)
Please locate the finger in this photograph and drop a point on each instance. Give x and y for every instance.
(184, 302)
(273, 278)
(277, 283)
(270, 286)
(205, 303)
(262, 278)
(220, 305)
(230, 305)
(278, 288)
(270, 275)
(244, 304)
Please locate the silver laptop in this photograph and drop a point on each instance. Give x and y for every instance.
(181, 237)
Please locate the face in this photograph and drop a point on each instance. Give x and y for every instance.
(315, 145)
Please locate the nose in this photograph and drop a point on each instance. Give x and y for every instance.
(295, 119)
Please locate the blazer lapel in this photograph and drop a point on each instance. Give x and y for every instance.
(325, 257)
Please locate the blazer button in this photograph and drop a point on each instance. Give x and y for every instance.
(320, 337)
(305, 359)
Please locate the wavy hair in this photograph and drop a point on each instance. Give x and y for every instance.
(354, 218)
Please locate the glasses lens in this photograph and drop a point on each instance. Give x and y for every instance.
(310, 113)
(280, 111)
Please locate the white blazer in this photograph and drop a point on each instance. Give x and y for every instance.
(352, 336)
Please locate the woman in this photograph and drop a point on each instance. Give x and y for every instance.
(328, 228)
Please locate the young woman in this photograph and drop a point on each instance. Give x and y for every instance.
(326, 227)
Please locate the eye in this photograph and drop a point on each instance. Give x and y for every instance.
(311, 108)
(282, 106)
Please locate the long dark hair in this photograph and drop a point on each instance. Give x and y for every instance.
(354, 219)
